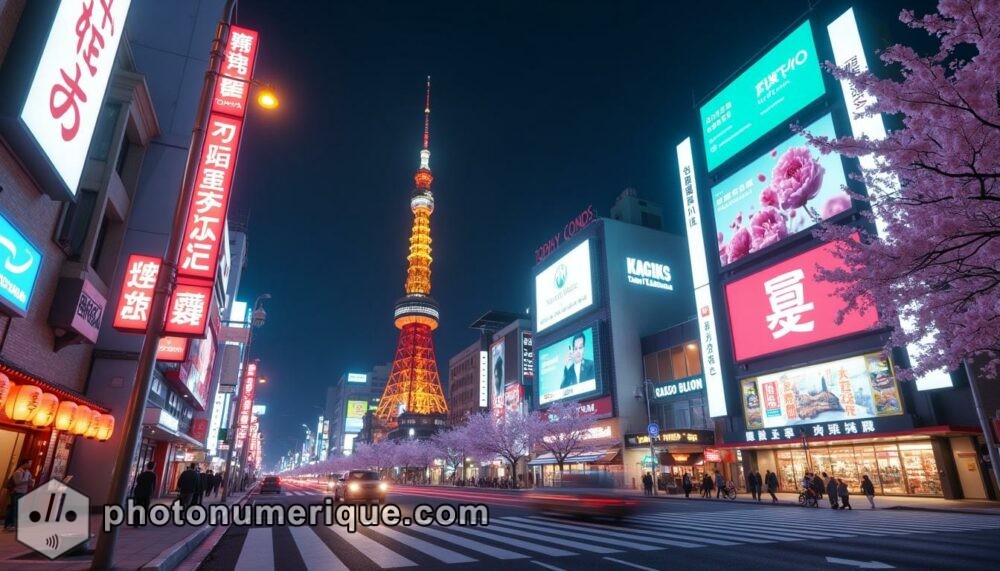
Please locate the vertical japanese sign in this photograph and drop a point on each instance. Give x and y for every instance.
(136, 293)
(67, 90)
(484, 379)
(702, 290)
(527, 357)
(848, 52)
(243, 415)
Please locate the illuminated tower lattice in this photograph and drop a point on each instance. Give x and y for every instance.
(414, 385)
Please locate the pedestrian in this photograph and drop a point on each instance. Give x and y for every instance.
(686, 484)
(751, 484)
(844, 494)
(206, 483)
(772, 485)
(868, 489)
(831, 490)
(758, 484)
(720, 484)
(187, 484)
(17, 486)
(199, 486)
(706, 486)
(818, 485)
(216, 483)
(145, 483)
(647, 484)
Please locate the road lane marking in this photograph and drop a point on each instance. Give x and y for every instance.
(627, 564)
(547, 566)
(588, 537)
(439, 553)
(258, 550)
(643, 534)
(497, 552)
(496, 527)
(316, 554)
(378, 553)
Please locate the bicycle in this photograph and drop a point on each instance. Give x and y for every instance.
(729, 492)
(808, 500)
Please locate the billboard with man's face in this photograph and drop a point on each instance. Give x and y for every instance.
(497, 371)
(567, 368)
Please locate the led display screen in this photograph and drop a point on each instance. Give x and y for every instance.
(567, 368)
(564, 288)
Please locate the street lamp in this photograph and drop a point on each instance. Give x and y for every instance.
(165, 282)
(257, 319)
(646, 384)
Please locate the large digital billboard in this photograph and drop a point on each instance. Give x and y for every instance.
(497, 364)
(567, 368)
(564, 288)
(354, 420)
(787, 306)
(786, 191)
(847, 389)
(775, 87)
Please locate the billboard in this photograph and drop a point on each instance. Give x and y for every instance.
(19, 271)
(786, 191)
(513, 395)
(775, 87)
(198, 377)
(567, 368)
(497, 364)
(564, 288)
(484, 379)
(786, 306)
(356, 410)
(527, 358)
(357, 378)
(855, 388)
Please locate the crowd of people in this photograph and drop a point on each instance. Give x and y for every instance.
(815, 486)
(837, 492)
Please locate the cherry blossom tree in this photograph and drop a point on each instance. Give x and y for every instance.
(934, 192)
(508, 436)
(561, 431)
(453, 446)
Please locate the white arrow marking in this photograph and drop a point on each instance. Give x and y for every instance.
(860, 564)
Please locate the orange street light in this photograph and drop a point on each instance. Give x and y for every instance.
(266, 96)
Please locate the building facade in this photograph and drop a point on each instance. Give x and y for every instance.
(348, 401)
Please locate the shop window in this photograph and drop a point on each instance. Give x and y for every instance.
(693, 357)
(663, 363)
(679, 362)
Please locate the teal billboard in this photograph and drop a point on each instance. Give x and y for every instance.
(774, 88)
(19, 264)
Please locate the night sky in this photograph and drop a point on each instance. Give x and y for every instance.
(539, 109)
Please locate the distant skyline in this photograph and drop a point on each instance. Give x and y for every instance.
(539, 110)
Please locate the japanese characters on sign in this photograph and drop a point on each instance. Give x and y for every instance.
(233, 87)
(246, 404)
(527, 357)
(206, 217)
(786, 306)
(132, 313)
(188, 313)
(67, 90)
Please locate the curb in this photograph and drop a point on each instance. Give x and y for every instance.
(789, 504)
(172, 556)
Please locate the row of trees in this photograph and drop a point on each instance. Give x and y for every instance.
(561, 430)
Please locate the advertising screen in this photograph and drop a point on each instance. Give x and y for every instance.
(786, 306)
(497, 365)
(198, 379)
(774, 88)
(357, 378)
(567, 369)
(21, 262)
(787, 190)
(356, 410)
(564, 288)
(847, 389)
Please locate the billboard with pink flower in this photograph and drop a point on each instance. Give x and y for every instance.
(786, 191)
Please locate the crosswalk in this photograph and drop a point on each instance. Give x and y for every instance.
(527, 537)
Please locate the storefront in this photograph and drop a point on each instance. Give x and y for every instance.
(677, 452)
(600, 451)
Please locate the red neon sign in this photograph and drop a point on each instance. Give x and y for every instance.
(233, 87)
(188, 312)
(136, 297)
(172, 349)
(785, 306)
(246, 404)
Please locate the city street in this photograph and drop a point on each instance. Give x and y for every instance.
(696, 534)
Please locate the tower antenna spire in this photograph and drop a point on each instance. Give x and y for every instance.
(427, 115)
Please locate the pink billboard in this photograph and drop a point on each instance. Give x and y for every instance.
(786, 306)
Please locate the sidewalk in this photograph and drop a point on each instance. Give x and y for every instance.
(160, 548)
(858, 501)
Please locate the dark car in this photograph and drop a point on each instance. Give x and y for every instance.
(361, 485)
(584, 495)
(271, 485)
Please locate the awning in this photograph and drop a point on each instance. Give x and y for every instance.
(22, 377)
(603, 456)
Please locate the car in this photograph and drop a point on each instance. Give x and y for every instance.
(332, 481)
(583, 495)
(270, 485)
(361, 485)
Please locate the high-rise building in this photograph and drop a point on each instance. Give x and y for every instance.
(414, 388)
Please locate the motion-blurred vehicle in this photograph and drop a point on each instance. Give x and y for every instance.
(271, 485)
(332, 480)
(361, 485)
(584, 495)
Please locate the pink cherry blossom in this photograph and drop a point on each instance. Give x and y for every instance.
(796, 178)
(768, 197)
(739, 246)
(835, 205)
(767, 227)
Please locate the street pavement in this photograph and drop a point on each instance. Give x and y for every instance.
(706, 534)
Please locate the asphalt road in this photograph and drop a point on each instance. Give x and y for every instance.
(663, 534)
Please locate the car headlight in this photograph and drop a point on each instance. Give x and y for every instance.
(353, 487)
(383, 487)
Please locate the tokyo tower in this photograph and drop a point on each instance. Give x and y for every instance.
(413, 400)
